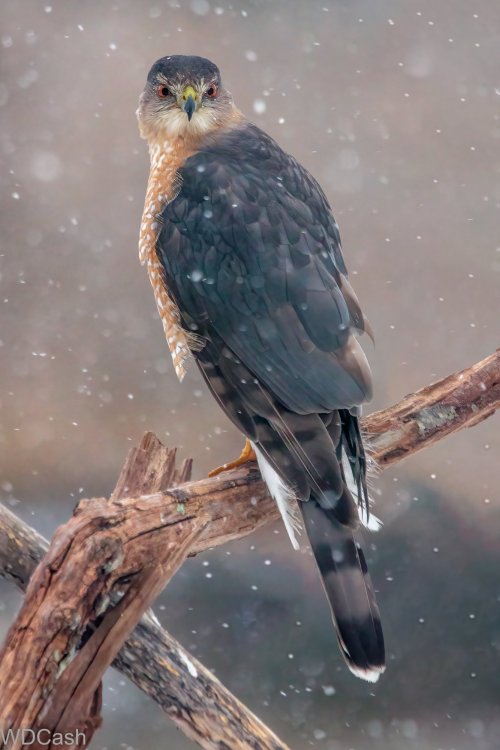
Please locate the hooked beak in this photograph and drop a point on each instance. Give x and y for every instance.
(189, 101)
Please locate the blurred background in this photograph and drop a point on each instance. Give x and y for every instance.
(395, 107)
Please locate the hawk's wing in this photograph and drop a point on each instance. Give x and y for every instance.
(251, 252)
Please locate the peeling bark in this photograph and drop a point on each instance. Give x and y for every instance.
(460, 400)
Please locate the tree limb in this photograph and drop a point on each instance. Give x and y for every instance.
(60, 688)
(461, 400)
(204, 513)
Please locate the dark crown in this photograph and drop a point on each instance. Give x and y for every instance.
(185, 68)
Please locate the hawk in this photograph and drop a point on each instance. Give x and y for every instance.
(245, 260)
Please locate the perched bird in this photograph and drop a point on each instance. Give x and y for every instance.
(245, 260)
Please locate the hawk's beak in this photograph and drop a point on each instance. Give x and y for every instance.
(189, 101)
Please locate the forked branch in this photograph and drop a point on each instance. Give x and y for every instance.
(108, 562)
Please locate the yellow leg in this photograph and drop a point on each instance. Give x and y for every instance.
(247, 454)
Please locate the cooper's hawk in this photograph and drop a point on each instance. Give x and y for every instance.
(245, 260)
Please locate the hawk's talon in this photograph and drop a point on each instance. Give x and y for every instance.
(246, 455)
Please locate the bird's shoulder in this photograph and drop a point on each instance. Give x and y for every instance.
(244, 177)
(248, 151)
(244, 143)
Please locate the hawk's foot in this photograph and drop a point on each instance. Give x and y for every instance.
(247, 454)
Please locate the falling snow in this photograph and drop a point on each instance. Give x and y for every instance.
(394, 109)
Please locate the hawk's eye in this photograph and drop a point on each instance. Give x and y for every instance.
(163, 91)
(212, 91)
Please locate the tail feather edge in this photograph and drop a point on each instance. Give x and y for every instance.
(349, 590)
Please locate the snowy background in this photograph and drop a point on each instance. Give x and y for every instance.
(394, 106)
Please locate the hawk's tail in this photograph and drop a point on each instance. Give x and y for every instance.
(348, 586)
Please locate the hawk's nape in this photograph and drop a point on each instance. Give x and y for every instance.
(250, 254)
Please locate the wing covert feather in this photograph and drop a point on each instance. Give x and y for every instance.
(251, 251)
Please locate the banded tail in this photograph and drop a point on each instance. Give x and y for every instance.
(332, 507)
(349, 589)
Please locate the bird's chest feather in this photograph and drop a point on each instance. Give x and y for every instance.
(166, 159)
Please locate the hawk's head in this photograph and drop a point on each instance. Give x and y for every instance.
(183, 96)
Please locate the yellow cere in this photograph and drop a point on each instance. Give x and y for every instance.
(189, 91)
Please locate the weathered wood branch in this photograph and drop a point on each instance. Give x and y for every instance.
(461, 400)
(151, 658)
(102, 569)
(112, 557)
(155, 661)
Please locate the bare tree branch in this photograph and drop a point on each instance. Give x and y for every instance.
(100, 572)
(112, 557)
(461, 400)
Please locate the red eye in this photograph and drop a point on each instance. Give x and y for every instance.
(163, 91)
(212, 91)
